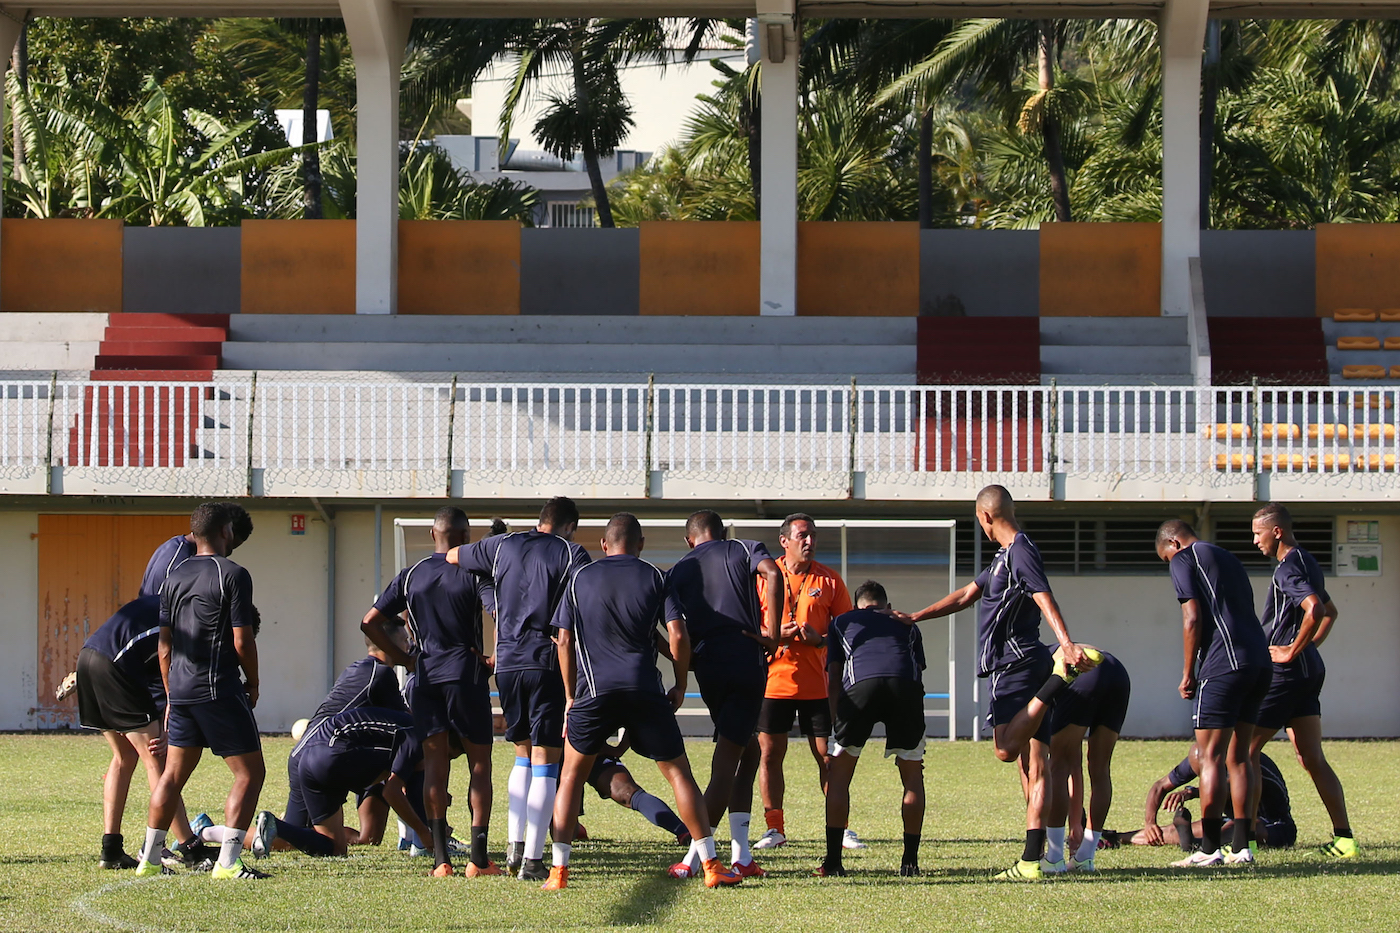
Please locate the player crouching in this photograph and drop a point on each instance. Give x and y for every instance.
(607, 622)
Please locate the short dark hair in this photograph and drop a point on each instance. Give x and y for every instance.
(1173, 528)
(257, 620)
(560, 510)
(207, 519)
(241, 520)
(391, 625)
(623, 528)
(449, 517)
(785, 529)
(1275, 514)
(872, 592)
(705, 521)
(499, 526)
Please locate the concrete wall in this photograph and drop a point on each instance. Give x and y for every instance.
(1259, 273)
(580, 271)
(980, 273)
(19, 580)
(182, 270)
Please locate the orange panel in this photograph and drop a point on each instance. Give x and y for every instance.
(1105, 270)
(78, 595)
(1358, 266)
(298, 267)
(60, 265)
(699, 267)
(459, 267)
(869, 268)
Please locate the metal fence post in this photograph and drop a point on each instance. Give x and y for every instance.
(853, 422)
(649, 427)
(1256, 423)
(451, 431)
(48, 448)
(1053, 446)
(248, 454)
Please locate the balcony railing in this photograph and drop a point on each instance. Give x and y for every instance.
(644, 439)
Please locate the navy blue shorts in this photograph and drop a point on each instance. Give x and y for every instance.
(1013, 686)
(1280, 834)
(813, 717)
(460, 707)
(1232, 697)
(533, 704)
(732, 676)
(225, 727)
(893, 701)
(1288, 700)
(1098, 697)
(328, 777)
(646, 715)
(296, 807)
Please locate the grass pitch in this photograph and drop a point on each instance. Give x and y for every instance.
(50, 826)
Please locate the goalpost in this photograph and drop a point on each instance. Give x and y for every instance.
(411, 543)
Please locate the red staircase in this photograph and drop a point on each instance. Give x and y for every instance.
(979, 351)
(164, 347)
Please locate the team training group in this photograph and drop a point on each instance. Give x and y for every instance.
(770, 642)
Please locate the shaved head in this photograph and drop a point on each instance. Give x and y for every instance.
(1173, 529)
(705, 522)
(996, 501)
(623, 534)
(450, 528)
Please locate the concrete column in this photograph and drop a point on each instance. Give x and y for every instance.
(378, 31)
(11, 22)
(778, 41)
(1182, 32)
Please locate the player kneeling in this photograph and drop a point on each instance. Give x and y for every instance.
(607, 624)
(875, 669)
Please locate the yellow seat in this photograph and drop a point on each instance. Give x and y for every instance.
(1376, 462)
(1330, 462)
(1353, 314)
(1235, 431)
(1390, 315)
(1374, 399)
(1391, 343)
(1286, 463)
(1355, 371)
(1235, 462)
(1281, 430)
(1358, 343)
(1327, 431)
(1395, 372)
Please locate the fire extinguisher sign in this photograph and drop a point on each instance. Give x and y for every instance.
(298, 524)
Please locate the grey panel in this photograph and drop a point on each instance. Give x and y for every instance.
(580, 271)
(1259, 273)
(1125, 332)
(979, 273)
(182, 270)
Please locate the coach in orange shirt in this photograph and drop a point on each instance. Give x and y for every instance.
(814, 594)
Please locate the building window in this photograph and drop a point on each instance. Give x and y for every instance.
(1315, 535)
(567, 214)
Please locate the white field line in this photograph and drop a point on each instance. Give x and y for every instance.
(83, 905)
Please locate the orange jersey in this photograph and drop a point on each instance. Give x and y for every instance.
(813, 598)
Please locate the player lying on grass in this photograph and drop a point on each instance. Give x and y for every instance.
(353, 751)
(1093, 708)
(1011, 596)
(875, 667)
(607, 624)
(612, 780)
(1275, 827)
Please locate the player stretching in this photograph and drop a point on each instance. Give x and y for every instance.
(452, 696)
(714, 593)
(612, 780)
(875, 667)
(528, 571)
(175, 551)
(1093, 707)
(206, 636)
(1011, 595)
(1227, 671)
(1299, 615)
(812, 595)
(607, 625)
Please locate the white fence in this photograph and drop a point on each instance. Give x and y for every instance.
(642, 439)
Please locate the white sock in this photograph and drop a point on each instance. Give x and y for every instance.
(1055, 844)
(518, 792)
(739, 838)
(692, 858)
(538, 810)
(212, 834)
(705, 848)
(155, 841)
(232, 846)
(561, 854)
(1089, 846)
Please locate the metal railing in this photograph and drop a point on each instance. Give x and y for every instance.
(632, 431)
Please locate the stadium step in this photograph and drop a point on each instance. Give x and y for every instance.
(135, 343)
(1147, 349)
(1277, 350)
(978, 350)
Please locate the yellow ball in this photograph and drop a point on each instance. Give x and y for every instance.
(299, 729)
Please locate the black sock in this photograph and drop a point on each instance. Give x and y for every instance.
(305, 839)
(111, 847)
(1181, 821)
(1242, 835)
(833, 846)
(1035, 845)
(1051, 689)
(1210, 833)
(439, 831)
(479, 847)
(1343, 831)
(911, 849)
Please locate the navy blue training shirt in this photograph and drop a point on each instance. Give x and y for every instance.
(166, 558)
(613, 607)
(130, 639)
(366, 742)
(443, 602)
(528, 571)
(367, 682)
(1008, 620)
(713, 589)
(202, 601)
(1296, 577)
(866, 643)
(1274, 804)
(1231, 637)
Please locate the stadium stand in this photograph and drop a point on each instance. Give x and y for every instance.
(1275, 350)
(979, 350)
(44, 341)
(161, 346)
